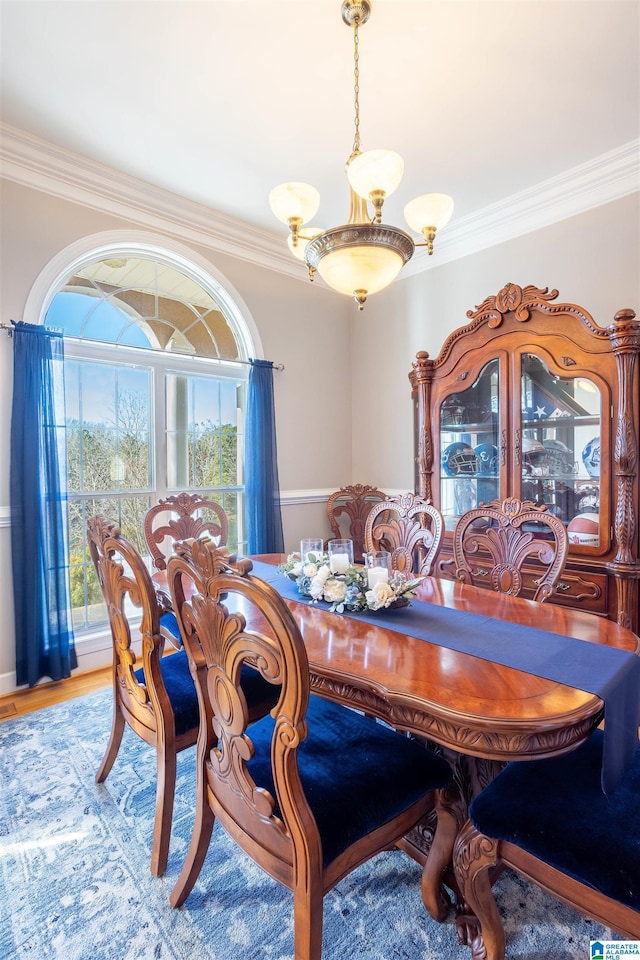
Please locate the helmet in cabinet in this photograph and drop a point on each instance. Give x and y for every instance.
(487, 455)
(560, 457)
(459, 459)
(452, 412)
(535, 459)
(584, 529)
(588, 498)
(591, 457)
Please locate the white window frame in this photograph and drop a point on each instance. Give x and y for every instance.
(131, 243)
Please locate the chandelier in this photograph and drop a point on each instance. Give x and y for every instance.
(364, 255)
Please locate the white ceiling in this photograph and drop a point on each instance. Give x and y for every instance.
(220, 101)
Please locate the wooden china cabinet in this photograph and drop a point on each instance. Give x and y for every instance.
(534, 399)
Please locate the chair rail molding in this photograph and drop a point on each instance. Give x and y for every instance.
(36, 163)
(292, 497)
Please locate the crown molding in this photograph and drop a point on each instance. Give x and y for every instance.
(608, 177)
(35, 163)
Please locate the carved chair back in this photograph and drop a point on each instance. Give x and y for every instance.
(217, 641)
(496, 539)
(277, 786)
(410, 528)
(180, 518)
(153, 695)
(347, 511)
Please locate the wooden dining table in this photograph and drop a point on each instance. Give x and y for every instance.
(458, 700)
(485, 712)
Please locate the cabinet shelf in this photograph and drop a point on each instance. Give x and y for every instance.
(490, 426)
(557, 422)
(560, 477)
(472, 476)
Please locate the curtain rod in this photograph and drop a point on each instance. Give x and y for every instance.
(9, 327)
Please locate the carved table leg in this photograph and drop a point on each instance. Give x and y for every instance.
(478, 921)
(431, 842)
(451, 812)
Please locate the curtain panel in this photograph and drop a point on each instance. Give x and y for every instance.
(262, 489)
(38, 494)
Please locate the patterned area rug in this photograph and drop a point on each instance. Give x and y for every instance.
(74, 860)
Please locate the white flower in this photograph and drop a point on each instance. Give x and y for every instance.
(381, 596)
(310, 570)
(316, 588)
(334, 590)
(296, 569)
(323, 573)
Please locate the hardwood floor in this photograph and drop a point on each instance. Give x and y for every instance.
(46, 694)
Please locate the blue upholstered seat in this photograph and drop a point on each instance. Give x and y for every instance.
(182, 692)
(169, 624)
(357, 774)
(555, 810)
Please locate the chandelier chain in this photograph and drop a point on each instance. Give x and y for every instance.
(356, 87)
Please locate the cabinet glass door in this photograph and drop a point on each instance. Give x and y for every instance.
(469, 454)
(559, 448)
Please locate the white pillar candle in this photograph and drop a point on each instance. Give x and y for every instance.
(377, 575)
(339, 562)
(310, 546)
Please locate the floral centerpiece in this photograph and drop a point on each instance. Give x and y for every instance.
(348, 590)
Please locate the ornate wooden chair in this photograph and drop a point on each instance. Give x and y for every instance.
(410, 528)
(314, 789)
(180, 518)
(157, 698)
(174, 518)
(550, 821)
(347, 511)
(493, 542)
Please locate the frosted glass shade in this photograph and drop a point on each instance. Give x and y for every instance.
(360, 257)
(364, 268)
(294, 201)
(310, 233)
(429, 210)
(375, 170)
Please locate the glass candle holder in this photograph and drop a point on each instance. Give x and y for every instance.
(378, 567)
(340, 555)
(316, 547)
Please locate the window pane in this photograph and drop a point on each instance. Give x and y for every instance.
(203, 415)
(142, 302)
(109, 427)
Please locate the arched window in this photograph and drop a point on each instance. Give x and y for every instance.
(155, 382)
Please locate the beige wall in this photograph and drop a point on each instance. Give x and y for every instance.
(336, 359)
(592, 260)
(306, 328)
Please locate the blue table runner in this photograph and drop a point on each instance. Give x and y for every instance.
(609, 673)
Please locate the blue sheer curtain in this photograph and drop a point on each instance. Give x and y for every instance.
(264, 519)
(39, 541)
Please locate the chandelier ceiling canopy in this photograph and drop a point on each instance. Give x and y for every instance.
(364, 255)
